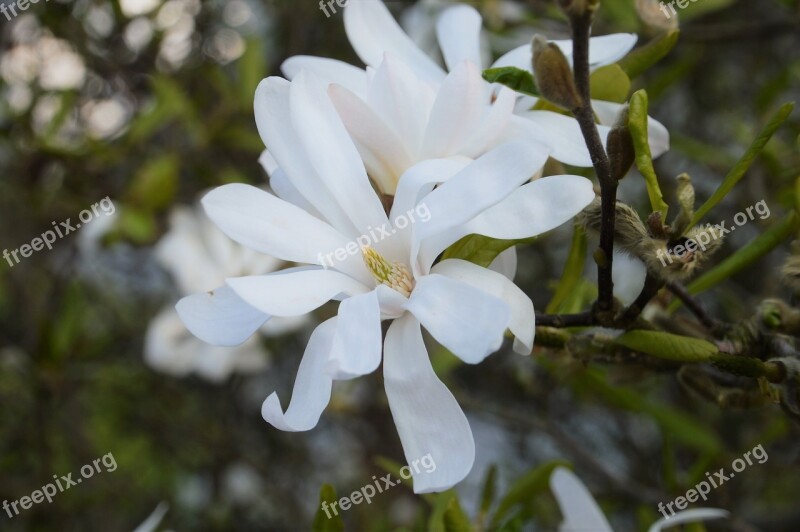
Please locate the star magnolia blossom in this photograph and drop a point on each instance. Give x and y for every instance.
(200, 257)
(388, 142)
(581, 512)
(326, 202)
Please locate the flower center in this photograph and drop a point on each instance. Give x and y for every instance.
(395, 275)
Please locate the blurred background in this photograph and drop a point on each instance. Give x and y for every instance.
(139, 106)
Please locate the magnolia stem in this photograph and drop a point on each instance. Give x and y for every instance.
(581, 30)
(694, 306)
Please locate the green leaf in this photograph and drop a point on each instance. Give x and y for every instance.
(489, 489)
(514, 78)
(744, 257)
(155, 184)
(323, 523)
(644, 158)
(525, 488)
(455, 520)
(611, 84)
(137, 226)
(741, 167)
(573, 271)
(668, 346)
(481, 250)
(640, 60)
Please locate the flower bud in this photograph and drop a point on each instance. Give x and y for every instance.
(553, 74)
(621, 152)
(685, 193)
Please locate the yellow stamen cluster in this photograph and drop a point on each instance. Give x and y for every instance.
(394, 275)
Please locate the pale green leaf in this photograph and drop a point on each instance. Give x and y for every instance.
(644, 158)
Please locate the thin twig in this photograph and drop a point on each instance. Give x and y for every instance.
(581, 31)
(694, 306)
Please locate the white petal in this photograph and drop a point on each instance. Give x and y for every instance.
(283, 188)
(456, 112)
(534, 208)
(603, 50)
(428, 418)
(268, 162)
(578, 507)
(372, 32)
(689, 516)
(220, 317)
(330, 70)
(506, 263)
(485, 182)
(466, 320)
(262, 222)
(332, 153)
(294, 293)
(628, 275)
(274, 122)
(495, 119)
(151, 523)
(402, 100)
(523, 318)
(657, 134)
(357, 344)
(420, 179)
(459, 34)
(384, 155)
(312, 387)
(561, 133)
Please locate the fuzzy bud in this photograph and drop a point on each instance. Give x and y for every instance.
(685, 193)
(553, 74)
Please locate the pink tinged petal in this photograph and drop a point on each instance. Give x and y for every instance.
(356, 347)
(384, 155)
(578, 507)
(295, 293)
(506, 263)
(689, 516)
(402, 100)
(523, 318)
(220, 317)
(372, 32)
(331, 152)
(456, 113)
(607, 113)
(466, 320)
(274, 123)
(628, 275)
(329, 70)
(428, 418)
(561, 133)
(312, 387)
(459, 34)
(270, 225)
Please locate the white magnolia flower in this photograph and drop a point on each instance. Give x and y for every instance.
(374, 34)
(326, 203)
(629, 275)
(200, 257)
(581, 512)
